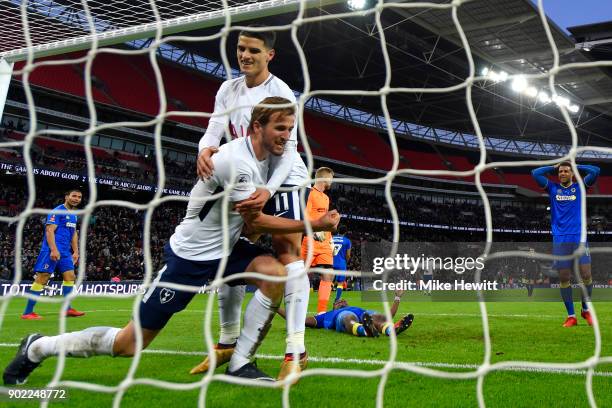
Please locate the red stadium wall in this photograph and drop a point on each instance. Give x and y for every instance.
(129, 82)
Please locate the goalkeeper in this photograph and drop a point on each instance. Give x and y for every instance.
(322, 246)
(357, 321)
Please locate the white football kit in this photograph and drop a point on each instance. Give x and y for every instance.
(238, 100)
(234, 104)
(199, 237)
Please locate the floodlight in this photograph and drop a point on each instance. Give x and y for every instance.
(519, 84)
(531, 91)
(356, 4)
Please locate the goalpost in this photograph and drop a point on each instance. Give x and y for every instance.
(40, 28)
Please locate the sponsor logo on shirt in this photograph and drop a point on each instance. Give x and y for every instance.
(71, 225)
(560, 197)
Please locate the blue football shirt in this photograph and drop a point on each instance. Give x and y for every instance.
(341, 245)
(564, 208)
(66, 227)
(327, 320)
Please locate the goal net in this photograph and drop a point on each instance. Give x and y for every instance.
(39, 33)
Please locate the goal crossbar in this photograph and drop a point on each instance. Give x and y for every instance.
(180, 24)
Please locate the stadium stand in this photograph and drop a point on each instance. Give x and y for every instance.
(189, 90)
(114, 242)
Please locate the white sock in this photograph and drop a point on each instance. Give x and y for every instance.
(297, 293)
(230, 307)
(85, 343)
(257, 321)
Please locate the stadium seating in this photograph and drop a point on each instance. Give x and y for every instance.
(129, 83)
(114, 242)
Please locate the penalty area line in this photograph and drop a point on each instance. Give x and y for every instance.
(474, 315)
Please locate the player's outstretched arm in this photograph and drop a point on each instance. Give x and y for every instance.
(262, 223)
(540, 173)
(281, 167)
(396, 302)
(592, 172)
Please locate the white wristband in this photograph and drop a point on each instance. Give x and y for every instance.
(397, 299)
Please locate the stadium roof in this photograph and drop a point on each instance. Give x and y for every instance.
(425, 51)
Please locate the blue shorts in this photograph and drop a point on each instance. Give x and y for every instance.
(340, 278)
(159, 303)
(340, 317)
(566, 245)
(44, 263)
(427, 278)
(339, 320)
(286, 204)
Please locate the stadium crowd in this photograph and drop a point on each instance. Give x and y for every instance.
(115, 234)
(115, 242)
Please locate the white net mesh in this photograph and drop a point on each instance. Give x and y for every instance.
(72, 25)
(27, 30)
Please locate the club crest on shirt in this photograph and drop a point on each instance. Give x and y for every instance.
(165, 295)
(243, 178)
(573, 190)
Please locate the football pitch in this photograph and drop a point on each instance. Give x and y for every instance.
(445, 336)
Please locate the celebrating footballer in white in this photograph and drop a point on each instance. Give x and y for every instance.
(233, 104)
(193, 257)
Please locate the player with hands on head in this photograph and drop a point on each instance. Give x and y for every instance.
(566, 223)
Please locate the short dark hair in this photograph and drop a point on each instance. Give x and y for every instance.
(72, 190)
(342, 230)
(262, 114)
(565, 164)
(268, 37)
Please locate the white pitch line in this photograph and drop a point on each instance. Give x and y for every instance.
(478, 315)
(400, 364)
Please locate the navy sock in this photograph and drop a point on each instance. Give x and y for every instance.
(566, 295)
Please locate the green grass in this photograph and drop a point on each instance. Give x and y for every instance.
(443, 332)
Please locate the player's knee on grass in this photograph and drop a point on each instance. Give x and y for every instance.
(269, 266)
(69, 276)
(288, 247)
(125, 341)
(42, 278)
